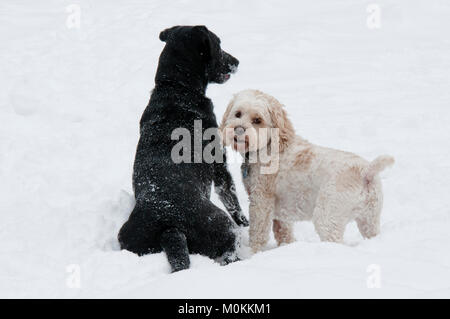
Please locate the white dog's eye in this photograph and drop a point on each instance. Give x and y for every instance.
(256, 120)
(238, 114)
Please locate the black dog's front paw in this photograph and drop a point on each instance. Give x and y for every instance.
(240, 219)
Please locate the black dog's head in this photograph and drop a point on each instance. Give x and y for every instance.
(200, 49)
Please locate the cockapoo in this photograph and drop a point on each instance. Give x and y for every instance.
(309, 182)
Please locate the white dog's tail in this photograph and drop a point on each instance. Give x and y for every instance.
(376, 166)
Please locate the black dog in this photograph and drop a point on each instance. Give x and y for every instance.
(173, 211)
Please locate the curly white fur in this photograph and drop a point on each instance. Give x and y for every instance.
(327, 186)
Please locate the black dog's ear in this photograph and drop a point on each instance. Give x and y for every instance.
(165, 34)
(201, 28)
(205, 46)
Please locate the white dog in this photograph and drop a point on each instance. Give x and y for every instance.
(329, 187)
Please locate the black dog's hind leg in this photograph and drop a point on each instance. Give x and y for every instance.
(134, 237)
(174, 244)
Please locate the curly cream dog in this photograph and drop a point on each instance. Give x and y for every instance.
(329, 187)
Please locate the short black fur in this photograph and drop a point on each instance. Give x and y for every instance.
(173, 211)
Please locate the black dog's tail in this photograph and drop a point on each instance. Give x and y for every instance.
(174, 244)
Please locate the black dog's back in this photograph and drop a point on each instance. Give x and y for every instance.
(165, 190)
(173, 211)
(166, 112)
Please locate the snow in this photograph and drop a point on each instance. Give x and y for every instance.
(72, 98)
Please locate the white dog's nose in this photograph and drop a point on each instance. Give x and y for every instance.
(239, 130)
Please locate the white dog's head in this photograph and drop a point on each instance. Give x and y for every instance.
(249, 118)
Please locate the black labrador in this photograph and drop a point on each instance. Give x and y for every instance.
(173, 211)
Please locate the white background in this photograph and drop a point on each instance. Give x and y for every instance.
(71, 99)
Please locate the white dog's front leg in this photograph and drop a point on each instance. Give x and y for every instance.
(261, 214)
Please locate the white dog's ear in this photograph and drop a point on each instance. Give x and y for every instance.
(279, 118)
(227, 113)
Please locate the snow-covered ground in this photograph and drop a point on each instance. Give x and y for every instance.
(70, 104)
